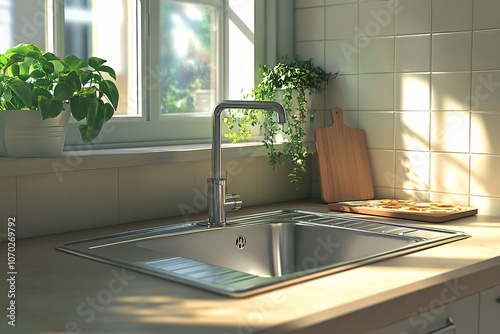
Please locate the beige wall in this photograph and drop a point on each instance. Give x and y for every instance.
(422, 78)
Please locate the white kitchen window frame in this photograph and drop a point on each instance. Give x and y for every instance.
(150, 128)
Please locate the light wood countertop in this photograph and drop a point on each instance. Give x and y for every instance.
(60, 293)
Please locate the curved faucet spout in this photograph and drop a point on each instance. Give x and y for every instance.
(261, 105)
(216, 125)
(217, 185)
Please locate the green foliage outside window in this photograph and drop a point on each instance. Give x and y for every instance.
(187, 55)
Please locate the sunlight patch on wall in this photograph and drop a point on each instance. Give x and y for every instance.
(450, 131)
(412, 131)
(484, 133)
(414, 92)
(412, 170)
(450, 173)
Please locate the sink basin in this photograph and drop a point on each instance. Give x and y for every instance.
(260, 252)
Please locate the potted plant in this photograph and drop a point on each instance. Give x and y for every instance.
(41, 85)
(289, 82)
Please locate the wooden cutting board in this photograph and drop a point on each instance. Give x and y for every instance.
(344, 168)
(413, 210)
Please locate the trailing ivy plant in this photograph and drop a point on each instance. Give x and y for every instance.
(31, 79)
(288, 82)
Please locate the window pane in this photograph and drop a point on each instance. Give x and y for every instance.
(5, 17)
(90, 30)
(188, 55)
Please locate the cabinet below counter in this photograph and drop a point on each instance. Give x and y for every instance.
(57, 292)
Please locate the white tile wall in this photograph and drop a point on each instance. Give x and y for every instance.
(434, 66)
(46, 203)
(445, 19)
(482, 182)
(385, 175)
(412, 17)
(450, 91)
(309, 3)
(341, 21)
(8, 198)
(449, 173)
(451, 52)
(485, 134)
(376, 91)
(448, 129)
(486, 50)
(486, 14)
(412, 130)
(49, 204)
(377, 56)
(413, 53)
(310, 24)
(485, 94)
(379, 129)
(412, 170)
(153, 191)
(412, 91)
(376, 19)
(343, 92)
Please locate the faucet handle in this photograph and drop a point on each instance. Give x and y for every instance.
(233, 202)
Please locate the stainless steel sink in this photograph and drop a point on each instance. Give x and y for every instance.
(260, 252)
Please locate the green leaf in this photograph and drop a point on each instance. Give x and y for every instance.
(21, 49)
(3, 60)
(35, 54)
(73, 80)
(108, 112)
(63, 91)
(49, 108)
(37, 73)
(109, 89)
(108, 70)
(50, 56)
(88, 90)
(96, 78)
(96, 63)
(95, 121)
(7, 95)
(13, 71)
(58, 66)
(22, 90)
(85, 77)
(78, 107)
(24, 71)
(37, 91)
(48, 67)
(74, 63)
(43, 83)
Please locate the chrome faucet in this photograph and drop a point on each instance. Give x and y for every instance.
(219, 201)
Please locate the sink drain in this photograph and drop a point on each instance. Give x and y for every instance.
(241, 242)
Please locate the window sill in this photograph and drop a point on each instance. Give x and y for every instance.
(123, 157)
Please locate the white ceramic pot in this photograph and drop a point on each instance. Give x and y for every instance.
(26, 134)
